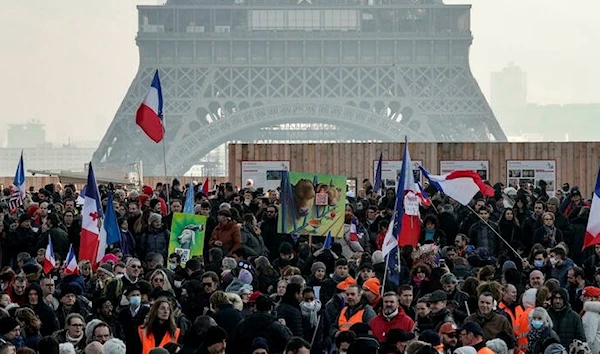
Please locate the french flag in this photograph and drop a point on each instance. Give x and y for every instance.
(71, 266)
(592, 231)
(90, 220)
(150, 114)
(460, 185)
(405, 227)
(205, 187)
(425, 201)
(49, 260)
(354, 236)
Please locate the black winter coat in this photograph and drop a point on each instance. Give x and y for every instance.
(154, 241)
(293, 318)
(228, 318)
(566, 323)
(259, 324)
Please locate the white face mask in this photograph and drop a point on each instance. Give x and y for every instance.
(119, 276)
(178, 283)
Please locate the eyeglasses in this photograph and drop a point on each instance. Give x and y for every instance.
(451, 335)
(136, 266)
(159, 280)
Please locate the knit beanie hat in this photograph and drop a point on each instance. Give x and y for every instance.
(259, 343)
(154, 217)
(554, 201)
(245, 276)
(89, 329)
(465, 350)
(158, 351)
(317, 265)
(7, 324)
(373, 286)
(214, 335)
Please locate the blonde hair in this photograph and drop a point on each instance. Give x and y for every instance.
(236, 300)
(166, 284)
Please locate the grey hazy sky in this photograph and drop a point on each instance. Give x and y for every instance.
(69, 63)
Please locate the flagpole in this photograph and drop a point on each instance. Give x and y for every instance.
(387, 258)
(165, 166)
(496, 232)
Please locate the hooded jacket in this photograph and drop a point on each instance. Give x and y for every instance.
(591, 324)
(567, 323)
(491, 323)
(381, 326)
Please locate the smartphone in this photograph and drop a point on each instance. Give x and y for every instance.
(442, 262)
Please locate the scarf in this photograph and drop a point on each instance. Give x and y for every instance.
(417, 281)
(73, 340)
(337, 278)
(535, 336)
(390, 316)
(311, 310)
(548, 233)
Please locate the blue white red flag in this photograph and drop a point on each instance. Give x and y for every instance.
(405, 226)
(150, 114)
(460, 185)
(424, 198)
(592, 231)
(49, 260)
(109, 232)
(71, 266)
(90, 220)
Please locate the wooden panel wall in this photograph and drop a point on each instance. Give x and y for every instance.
(576, 163)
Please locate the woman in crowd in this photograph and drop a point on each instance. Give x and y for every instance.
(158, 329)
(73, 332)
(548, 235)
(252, 241)
(540, 329)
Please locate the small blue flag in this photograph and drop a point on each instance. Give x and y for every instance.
(188, 208)
(328, 241)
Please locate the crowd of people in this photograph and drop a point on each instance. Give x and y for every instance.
(507, 274)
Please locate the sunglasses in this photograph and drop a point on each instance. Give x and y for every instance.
(136, 266)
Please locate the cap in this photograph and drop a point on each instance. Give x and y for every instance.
(317, 265)
(429, 336)
(554, 201)
(214, 335)
(396, 335)
(344, 284)
(448, 327)
(24, 217)
(7, 324)
(438, 295)
(254, 296)
(366, 265)
(286, 248)
(372, 285)
(591, 291)
(472, 327)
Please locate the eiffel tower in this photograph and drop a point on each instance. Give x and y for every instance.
(290, 70)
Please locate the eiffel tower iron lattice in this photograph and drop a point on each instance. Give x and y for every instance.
(283, 70)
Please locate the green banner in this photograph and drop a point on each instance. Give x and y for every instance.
(187, 235)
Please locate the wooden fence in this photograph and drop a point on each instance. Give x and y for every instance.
(576, 163)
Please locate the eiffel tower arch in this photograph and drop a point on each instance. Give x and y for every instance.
(279, 70)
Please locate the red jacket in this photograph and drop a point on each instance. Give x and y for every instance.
(381, 326)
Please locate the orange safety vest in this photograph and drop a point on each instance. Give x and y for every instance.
(521, 330)
(514, 317)
(148, 339)
(344, 324)
(485, 350)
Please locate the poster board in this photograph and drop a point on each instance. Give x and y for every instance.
(390, 170)
(187, 235)
(265, 174)
(482, 167)
(313, 204)
(531, 171)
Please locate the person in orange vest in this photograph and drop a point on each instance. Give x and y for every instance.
(510, 305)
(357, 311)
(521, 328)
(159, 327)
(471, 335)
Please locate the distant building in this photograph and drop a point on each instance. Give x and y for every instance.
(30, 135)
(69, 158)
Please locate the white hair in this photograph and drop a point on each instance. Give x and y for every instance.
(541, 312)
(498, 346)
(529, 298)
(114, 346)
(66, 348)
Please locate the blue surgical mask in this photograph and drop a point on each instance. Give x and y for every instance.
(135, 301)
(537, 324)
(172, 266)
(538, 263)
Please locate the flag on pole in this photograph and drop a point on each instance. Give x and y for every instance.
(150, 114)
(109, 232)
(188, 208)
(378, 181)
(405, 226)
(71, 266)
(424, 198)
(90, 220)
(592, 231)
(17, 195)
(205, 187)
(328, 241)
(460, 185)
(49, 260)
(354, 236)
